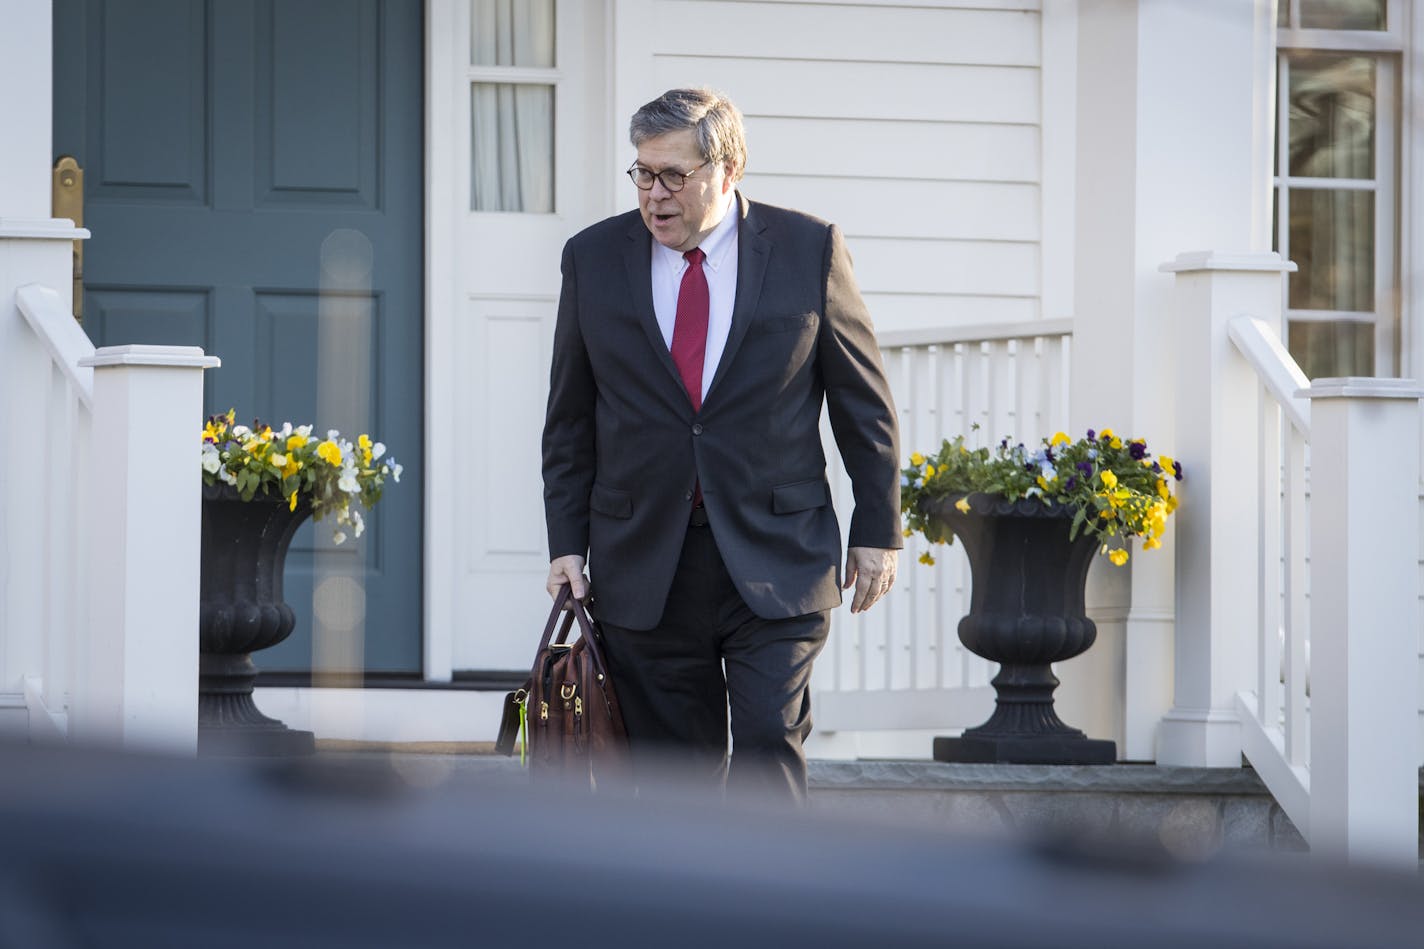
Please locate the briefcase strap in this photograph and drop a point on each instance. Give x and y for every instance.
(576, 612)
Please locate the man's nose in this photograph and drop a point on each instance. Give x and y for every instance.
(661, 191)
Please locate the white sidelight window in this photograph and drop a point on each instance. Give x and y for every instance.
(1337, 182)
(512, 79)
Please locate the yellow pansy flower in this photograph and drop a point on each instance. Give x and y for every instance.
(1109, 479)
(296, 441)
(1106, 433)
(329, 452)
(917, 459)
(292, 502)
(926, 559)
(1118, 557)
(1151, 543)
(907, 532)
(962, 505)
(1162, 491)
(364, 443)
(929, 471)
(1059, 438)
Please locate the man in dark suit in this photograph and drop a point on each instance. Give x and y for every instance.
(697, 340)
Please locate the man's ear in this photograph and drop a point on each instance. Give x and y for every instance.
(729, 176)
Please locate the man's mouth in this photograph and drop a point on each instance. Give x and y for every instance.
(663, 218)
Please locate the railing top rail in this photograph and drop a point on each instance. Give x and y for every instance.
(1278, 372)
(60, 334)
(985, 332)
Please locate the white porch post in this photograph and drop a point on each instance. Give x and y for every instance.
(1364, 619)
(1217, 443)
(34, 248)
(137, 668)
(1174, 104)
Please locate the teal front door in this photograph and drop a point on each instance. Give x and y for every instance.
(253, 182)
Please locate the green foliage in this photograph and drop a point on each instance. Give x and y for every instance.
(291, 463)
(1116, 489)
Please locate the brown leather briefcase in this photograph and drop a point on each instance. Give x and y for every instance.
(568, 710)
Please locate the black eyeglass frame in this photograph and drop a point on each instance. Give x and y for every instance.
(682, 176)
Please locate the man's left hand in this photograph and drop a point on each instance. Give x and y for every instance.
(871, 571)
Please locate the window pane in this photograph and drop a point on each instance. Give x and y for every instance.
(1333, 349)
(512, 147)
(1342, 14)
(512, 33)
(1332, 116)
(1283, 13)
(1332, 241)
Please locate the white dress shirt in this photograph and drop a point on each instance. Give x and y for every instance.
(721, 269)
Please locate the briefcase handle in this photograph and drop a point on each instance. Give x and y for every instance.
(575, 611)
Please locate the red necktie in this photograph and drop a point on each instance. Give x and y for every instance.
(689, 332)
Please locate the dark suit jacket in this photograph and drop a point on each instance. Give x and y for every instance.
(623, 448)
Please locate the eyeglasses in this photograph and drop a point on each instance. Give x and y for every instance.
(672, 179)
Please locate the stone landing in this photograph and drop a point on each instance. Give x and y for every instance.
(1192, 812)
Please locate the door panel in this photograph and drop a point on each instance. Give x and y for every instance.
(254, 186)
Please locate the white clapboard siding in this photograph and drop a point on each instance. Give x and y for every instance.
(901, 665)
(918, 128)
(994, 211)
(903, 91)
(862, 33)
(902, 151)
(979, 267)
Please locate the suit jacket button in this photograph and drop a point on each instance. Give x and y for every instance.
(687, 495)
(697, 428)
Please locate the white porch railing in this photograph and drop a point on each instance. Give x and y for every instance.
(901, 666)
(100, 623)
(1268, 569)
(50, 586)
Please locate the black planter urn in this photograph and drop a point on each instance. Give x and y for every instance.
(244, 549)
(1026, 611)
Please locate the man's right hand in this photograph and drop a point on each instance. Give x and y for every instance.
(567, 569)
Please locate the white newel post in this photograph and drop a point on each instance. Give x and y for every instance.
(1217, 546)
(137, 673)
(1364, 619)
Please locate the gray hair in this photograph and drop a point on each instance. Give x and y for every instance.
(715, 122)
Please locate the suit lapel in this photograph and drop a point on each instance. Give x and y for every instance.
(638, 259)
(753, 254)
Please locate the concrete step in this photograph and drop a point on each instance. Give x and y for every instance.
(1192, 812)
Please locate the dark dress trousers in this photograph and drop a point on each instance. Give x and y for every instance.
(624, 450)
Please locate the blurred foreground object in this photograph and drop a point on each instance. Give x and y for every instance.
(112, 851)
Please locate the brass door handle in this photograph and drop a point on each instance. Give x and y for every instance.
(67, 200)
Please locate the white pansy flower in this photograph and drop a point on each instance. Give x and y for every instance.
(377, 450)
(360, 524)
(332, 435)
(348, 482)
(227, 477)
(241, 431)
(211, 461)
(395, 473)
(339, 537)
(304, 431)
(279, 460)
(286, 430)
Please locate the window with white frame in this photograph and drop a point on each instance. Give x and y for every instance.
(512, 78)
(1337, 182)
